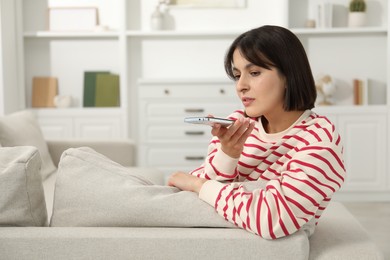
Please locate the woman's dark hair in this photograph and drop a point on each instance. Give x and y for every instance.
(273, 46)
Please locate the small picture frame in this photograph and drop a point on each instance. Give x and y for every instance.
(62, 19)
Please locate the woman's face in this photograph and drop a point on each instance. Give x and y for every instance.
(261, 90)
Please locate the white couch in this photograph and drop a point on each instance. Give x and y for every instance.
(337, 236)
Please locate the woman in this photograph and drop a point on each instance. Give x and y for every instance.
(291, 155)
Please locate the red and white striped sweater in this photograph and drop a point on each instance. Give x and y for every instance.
(296, 173)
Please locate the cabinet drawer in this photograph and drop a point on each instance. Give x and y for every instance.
(197, 133)
(188, 91)
(56, 128)
(190, 109)
(163, 157)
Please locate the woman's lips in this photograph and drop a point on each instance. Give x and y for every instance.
(247, 101)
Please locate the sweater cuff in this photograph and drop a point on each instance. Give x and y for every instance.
(224, 163)
(210, 191)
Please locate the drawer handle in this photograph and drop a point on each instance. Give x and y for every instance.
(194, 158)
(194, 132)
(194, 110)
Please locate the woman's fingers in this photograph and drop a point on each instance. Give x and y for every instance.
(233, 138)
(246, 133)
(217, 130)
(237, 129)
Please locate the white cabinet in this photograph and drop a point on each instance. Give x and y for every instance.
(365, 139)
(70, 123)
(364, 132)
(354, 53)
(166, 142)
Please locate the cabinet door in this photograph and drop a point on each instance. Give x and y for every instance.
(365, 141)
(56, 128)
(97, 127)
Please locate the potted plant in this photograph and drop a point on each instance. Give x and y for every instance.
(357, 13)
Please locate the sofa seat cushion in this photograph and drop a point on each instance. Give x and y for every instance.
(339, 235)
(22, 129)
(22, 201)
(148, 243)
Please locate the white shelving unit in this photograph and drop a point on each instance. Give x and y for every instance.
(191, 56)
(347, 53)
(66, 55)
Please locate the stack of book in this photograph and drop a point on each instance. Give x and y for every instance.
(101, 89)
(44, 89)
(359, 92)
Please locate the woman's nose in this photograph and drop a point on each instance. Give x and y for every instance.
(242, 85)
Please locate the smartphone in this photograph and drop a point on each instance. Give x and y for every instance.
(209, 121)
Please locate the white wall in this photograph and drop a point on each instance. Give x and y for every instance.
(1, 67)
(11, 94)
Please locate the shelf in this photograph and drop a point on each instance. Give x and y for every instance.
(340, 30)
(205, 33)
(172, 33)
(185, 81)
(85, 111)
(49, 34)
(236, 32)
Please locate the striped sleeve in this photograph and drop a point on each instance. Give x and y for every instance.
(307, 181)
(218, 165)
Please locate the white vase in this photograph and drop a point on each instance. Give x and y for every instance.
(157, 20)
(357, 19)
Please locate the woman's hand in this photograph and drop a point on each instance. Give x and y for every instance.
(186, 182)
(233, 138)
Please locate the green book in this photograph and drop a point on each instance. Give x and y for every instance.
(90, 87)
(107, 90)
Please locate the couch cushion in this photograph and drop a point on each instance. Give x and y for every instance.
(92, 190)
(22, 201)
(339, 235)
(22, 129)
(148, 243)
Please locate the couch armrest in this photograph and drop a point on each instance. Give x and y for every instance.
(120, 151)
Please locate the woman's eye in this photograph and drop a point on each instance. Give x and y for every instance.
(255, 73)
(236, 77)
